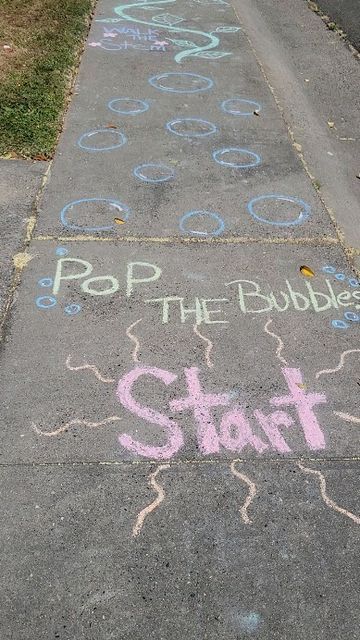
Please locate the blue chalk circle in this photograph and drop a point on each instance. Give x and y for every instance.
(61, 251)
(353, 282)
(45, 302)
(220, 157)
(198, 214)
(340, 276)
(118, 208)
(45, 282)
(240, 107)
(329, 269)
(303, 215)
(72, 309)
(339, 324)
(200, 128)
(154, 173)
(202, 82)
(116, 139)
(118, 105)
(351, 316)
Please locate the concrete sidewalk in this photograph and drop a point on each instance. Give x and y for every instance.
(179, 441)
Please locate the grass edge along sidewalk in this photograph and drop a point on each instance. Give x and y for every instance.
(40, 46)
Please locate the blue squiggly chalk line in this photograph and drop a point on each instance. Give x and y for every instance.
(195, 51)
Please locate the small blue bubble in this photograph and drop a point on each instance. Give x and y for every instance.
(353, 282)
(329, 269)
(339, 324)
(61, 251)
(353, 317)
(45, 282)
(45, 302)
(72, 309)
(340, 276)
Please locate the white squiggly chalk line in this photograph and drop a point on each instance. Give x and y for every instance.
(330, 503)
(208, 349)
(134, 339)
(251, 495)
(340, 365)
(280, 343)
(71, 423)
(91, 367)
(158, 500)
(347, 417)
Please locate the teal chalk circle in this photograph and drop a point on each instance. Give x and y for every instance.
(135, 107)
(198, 128)
(193, 83)
(303, 215)
(154, 173)
(240, 107)
(45, 302)
(253, 159)
(116, 139)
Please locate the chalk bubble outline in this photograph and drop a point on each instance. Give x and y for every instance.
(40, 299)
(137, 172)
(61, 251)
(351, 316)
(202, 212)
(240, 113)
(133, 112)
(339, 324)
(122, 140)
(119, 206)
(160, 76)
(213, 129)
(234, 165)
(45, 282)
(303, 215)
(72, 309)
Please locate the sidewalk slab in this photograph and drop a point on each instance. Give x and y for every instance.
(125, 306)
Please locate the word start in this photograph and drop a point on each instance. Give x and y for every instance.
(235, 432)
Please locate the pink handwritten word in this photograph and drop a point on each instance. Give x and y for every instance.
(235, 431)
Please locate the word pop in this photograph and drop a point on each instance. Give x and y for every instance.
(235, 431)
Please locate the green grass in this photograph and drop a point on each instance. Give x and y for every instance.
(45, 38)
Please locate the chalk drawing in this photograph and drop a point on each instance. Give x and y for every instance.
(167, 19)
(188, 79)
(352, 317)
(328, 501)
(302, 217)
(88, 143)
(251, 495)
(235, 106)
(192, 127)
(134, 339)
(90, 367)
(340, 365)
(353, 282)
(72, 423)
(131, 31)
(347, 417)
(339, 324)
(45, 302)
(280, 342)
(213, 40)
(118, 105)
(227, 29)
(209, 346)
(72, 309)
(235, 431)
(220, 157)
(45, 282)
(61, 251)
(118, 207)
(191, 215)
(156, 503)
(154, 173)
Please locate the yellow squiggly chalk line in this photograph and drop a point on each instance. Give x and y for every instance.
(340, 365)
(280, 343)
(134, 339)
(208, 349)
(330, 503)
(158, 500)
(251, 495)
(69, 424)
(91, 367)
(347, 417)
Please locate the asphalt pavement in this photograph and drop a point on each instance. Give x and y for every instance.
(346, 15)
(180, 366)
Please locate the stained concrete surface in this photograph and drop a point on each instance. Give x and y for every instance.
(346, 15)
(230, 334)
